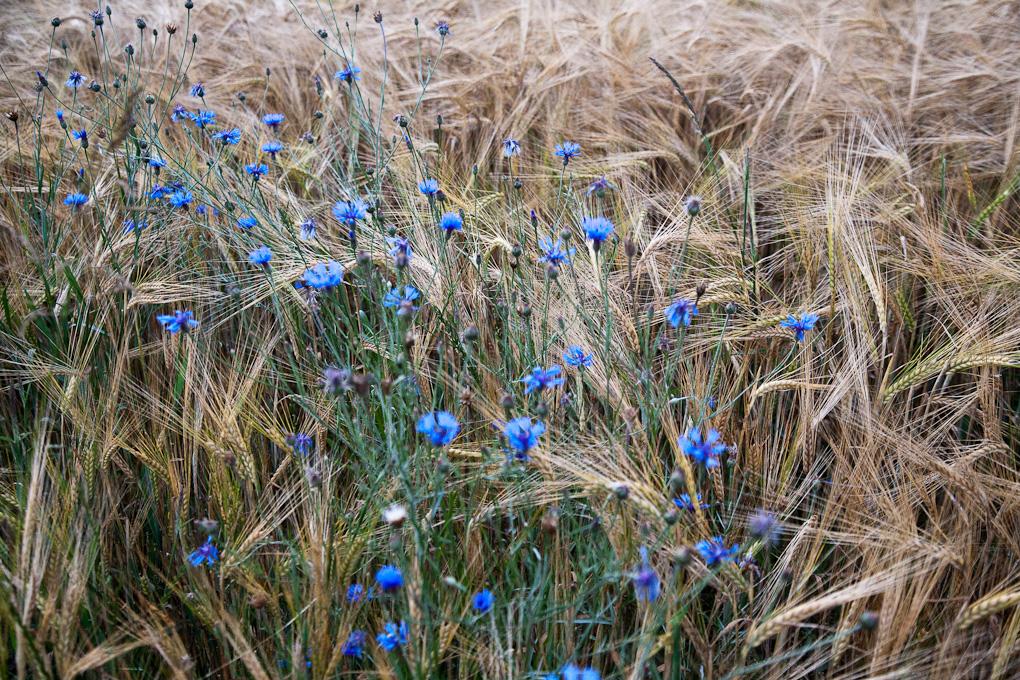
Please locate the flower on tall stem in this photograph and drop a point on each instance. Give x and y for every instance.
(349, 212)
(554, 253)
(205, 553)
(575, 356)
(542, 378)
(428, 187)
(714, 551)
(646, 581)
(597, 230)
(439, 426)
(681, 312)
(76, 200)
(180, 320)
(511, 147)
(75, 80)
(451, 222)
(393, 636)
(348, 74)
(522, 435)
(704, 449)
(800, 324)
(273, 120)
(567, 150)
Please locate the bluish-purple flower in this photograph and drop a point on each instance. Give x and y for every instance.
(554, 253)
(522, 435)
(261, 256)
(542, 378)
(76, 199)
(205, 553)
(301, 443)
(714, 551)
(180, 320)
(511, 147)
(349, 212)
(704, 449)
(764, 525)
(75, 79)
(81, 135)
(429, 187)
(681, 312)
(354, 646)
(272, 148)
(256, 170)
(483, 601)
(597, 230)
(228, 137)
(324, 275)
(684, 502)
(800, 324)
(575, 356)
(646, 580)
(246, 222)
(567, 150)
(355, 593)
(307, 229)
(393, 636)
(181, 198)
(439, 426)
(400, 247)
(348, 74)
(451, 222)
(198, 90)
(202, 119)
(389, 579)
(402, 298)
(273, 120)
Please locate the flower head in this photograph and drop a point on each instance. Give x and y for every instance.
(75, 79)
(81, 135)
(198, 90)
(483, 601)
(393, 636)
(800, 324)
(439, 426)
(355, 593)
(157, 163)
(684, 502)
(336, 380)
(273, 120)
(511, 147)
(597, 230)
(763, 525)
(76, 200)
(400, 247)
(442, 28)
(389, 579)
(301, 443)
(179, 113)
(202, 118)
(451, 222)
(705, 450)
(324, 275)
(522, 435)
(402, 298)
(181, 198)
(348, 74)
(246, 221)
(599, 187)
(349, 212)
(256, 170)
(646, 581)
(307, 229)
(355, 644)
(228, 137)
(130, 225)
(681, 312)
(714, 551)
(567, 150)
(692, 204)
(260, 256)
(272, 148)
(554, 253)
(180, 320)
(428, 187)
(205, 553)
(572, 672)
(542, 378)
(575, 356)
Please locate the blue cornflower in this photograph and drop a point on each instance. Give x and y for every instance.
(198, 90)
(157, 163)
(522, 435)
(261, 256)
(646, 581)
(81, 135)
(349, 212)
(403, 300)
(76, 200)
(202, 118)
(301, 443)
(429, 187)
(348, 74)
(159, 191)
(273, 120)
(554, 252)
(393, 636)
(684, 502)
(399, 247)
(511, 147)
(451, 222)
(75, 79)
(228, 137)
(572, 672)
(203, 209)
(801, 325)
(681, 312)
(714, 551)
(704, 450)
(324, 275)
(246, 221)
(439, 426)
(483, 601)
(389, 578)
(542, 378)
(596, 230)
(181, 198)
(576, 357)
(60, 116)
(256, 170)
(179, 113)
(206, 553)
(130, 225)
(599, 187)
(763, 525)
(567, 150)
(355, 593)
(180, 320)
(307, 229)
(443, 29)
(272, 148)
(355, 644)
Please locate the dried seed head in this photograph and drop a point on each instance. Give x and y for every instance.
(551, 520)
(395, 515)
(869, 620)
(314, 476)
(171, 28)
(621, 491)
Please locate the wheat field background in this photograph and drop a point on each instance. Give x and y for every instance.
(854, 160)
